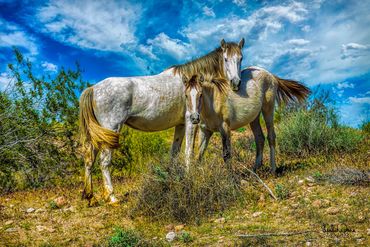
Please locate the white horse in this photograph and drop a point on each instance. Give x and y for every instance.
(218, 109)
(147, 103)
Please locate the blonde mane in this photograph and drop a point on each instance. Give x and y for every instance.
(210, 65)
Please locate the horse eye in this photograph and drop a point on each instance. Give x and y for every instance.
(225, 59)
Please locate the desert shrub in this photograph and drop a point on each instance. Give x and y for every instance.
(169, 192)
(138, 148)
(123, 238)
(38, 126)
(130, 238)
(314, 129)
(365, 127)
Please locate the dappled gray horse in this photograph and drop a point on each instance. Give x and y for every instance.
(219, 109)
(147, 103)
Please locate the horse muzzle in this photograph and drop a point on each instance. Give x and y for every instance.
(195, 118)
(235, 83)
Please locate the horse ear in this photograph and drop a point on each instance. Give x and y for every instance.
(201, 79)
(223, 44)
(241, 43)
(185, 79)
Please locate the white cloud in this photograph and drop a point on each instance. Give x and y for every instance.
(100, 25)
(294, 12)
(13, 35)
(240, 3)
(208, 11)
(173, 47)
(49, 66)
(354, 50)
(306, 28)
(298, 42)
(360, 100)
(345, 85)
(5, 79)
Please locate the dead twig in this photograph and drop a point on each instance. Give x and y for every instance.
(277, 234)
(261, 181)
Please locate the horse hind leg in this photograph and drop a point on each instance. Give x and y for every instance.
(268, 115)
(105, 160)
(260, 141)
(89, 158)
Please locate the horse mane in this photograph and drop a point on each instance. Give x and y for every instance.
(219, 83)
(209, 65)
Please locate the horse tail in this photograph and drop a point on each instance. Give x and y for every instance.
(291, 91)
(91, 132)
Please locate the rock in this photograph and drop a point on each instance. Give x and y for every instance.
(300, 182)
(70, 209)
(40, 228)
(220, 220)
(333, 210)
(169, 227)
(179, 227)
(310, 179)
(317, 203)
(30, 210)
(256, 214)
(12, 229)
(60, 201)
(308, 243)
(170, 236)
(295, 205)
(9, 222)
(368, 231)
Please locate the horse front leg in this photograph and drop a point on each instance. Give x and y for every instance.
(204, 137)
(106, 157)
(190, 133)
(177, 140)
(226, 142)
(89, 158)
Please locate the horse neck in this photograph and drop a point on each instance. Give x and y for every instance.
(214, 101)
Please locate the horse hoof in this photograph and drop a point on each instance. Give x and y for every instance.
(93, 202)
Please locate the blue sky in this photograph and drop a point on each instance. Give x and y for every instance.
(317, 42)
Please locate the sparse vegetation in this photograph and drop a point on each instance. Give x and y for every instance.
(168, 192)
(123, 238)
(314, 130)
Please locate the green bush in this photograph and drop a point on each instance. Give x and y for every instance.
(38, 126)
(314, 129)
(124, 238)
(170, 193)
(138, 148)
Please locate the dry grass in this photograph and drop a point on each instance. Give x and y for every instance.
(337, 213)
(169, 192)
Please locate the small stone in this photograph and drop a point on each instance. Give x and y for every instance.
(12, 229)
(310, 179)
(308, 243)
(300, 182)
(368, 231)
(170, 236)
(70, 209)
(333, 210)
(295, 205)
(243, 182)
(9, 222)
(256, 214)
(317, 203)
(30, 210)
(169, 227)
(40, 228)
(179, 227)
(220, 220)
(60, 201)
